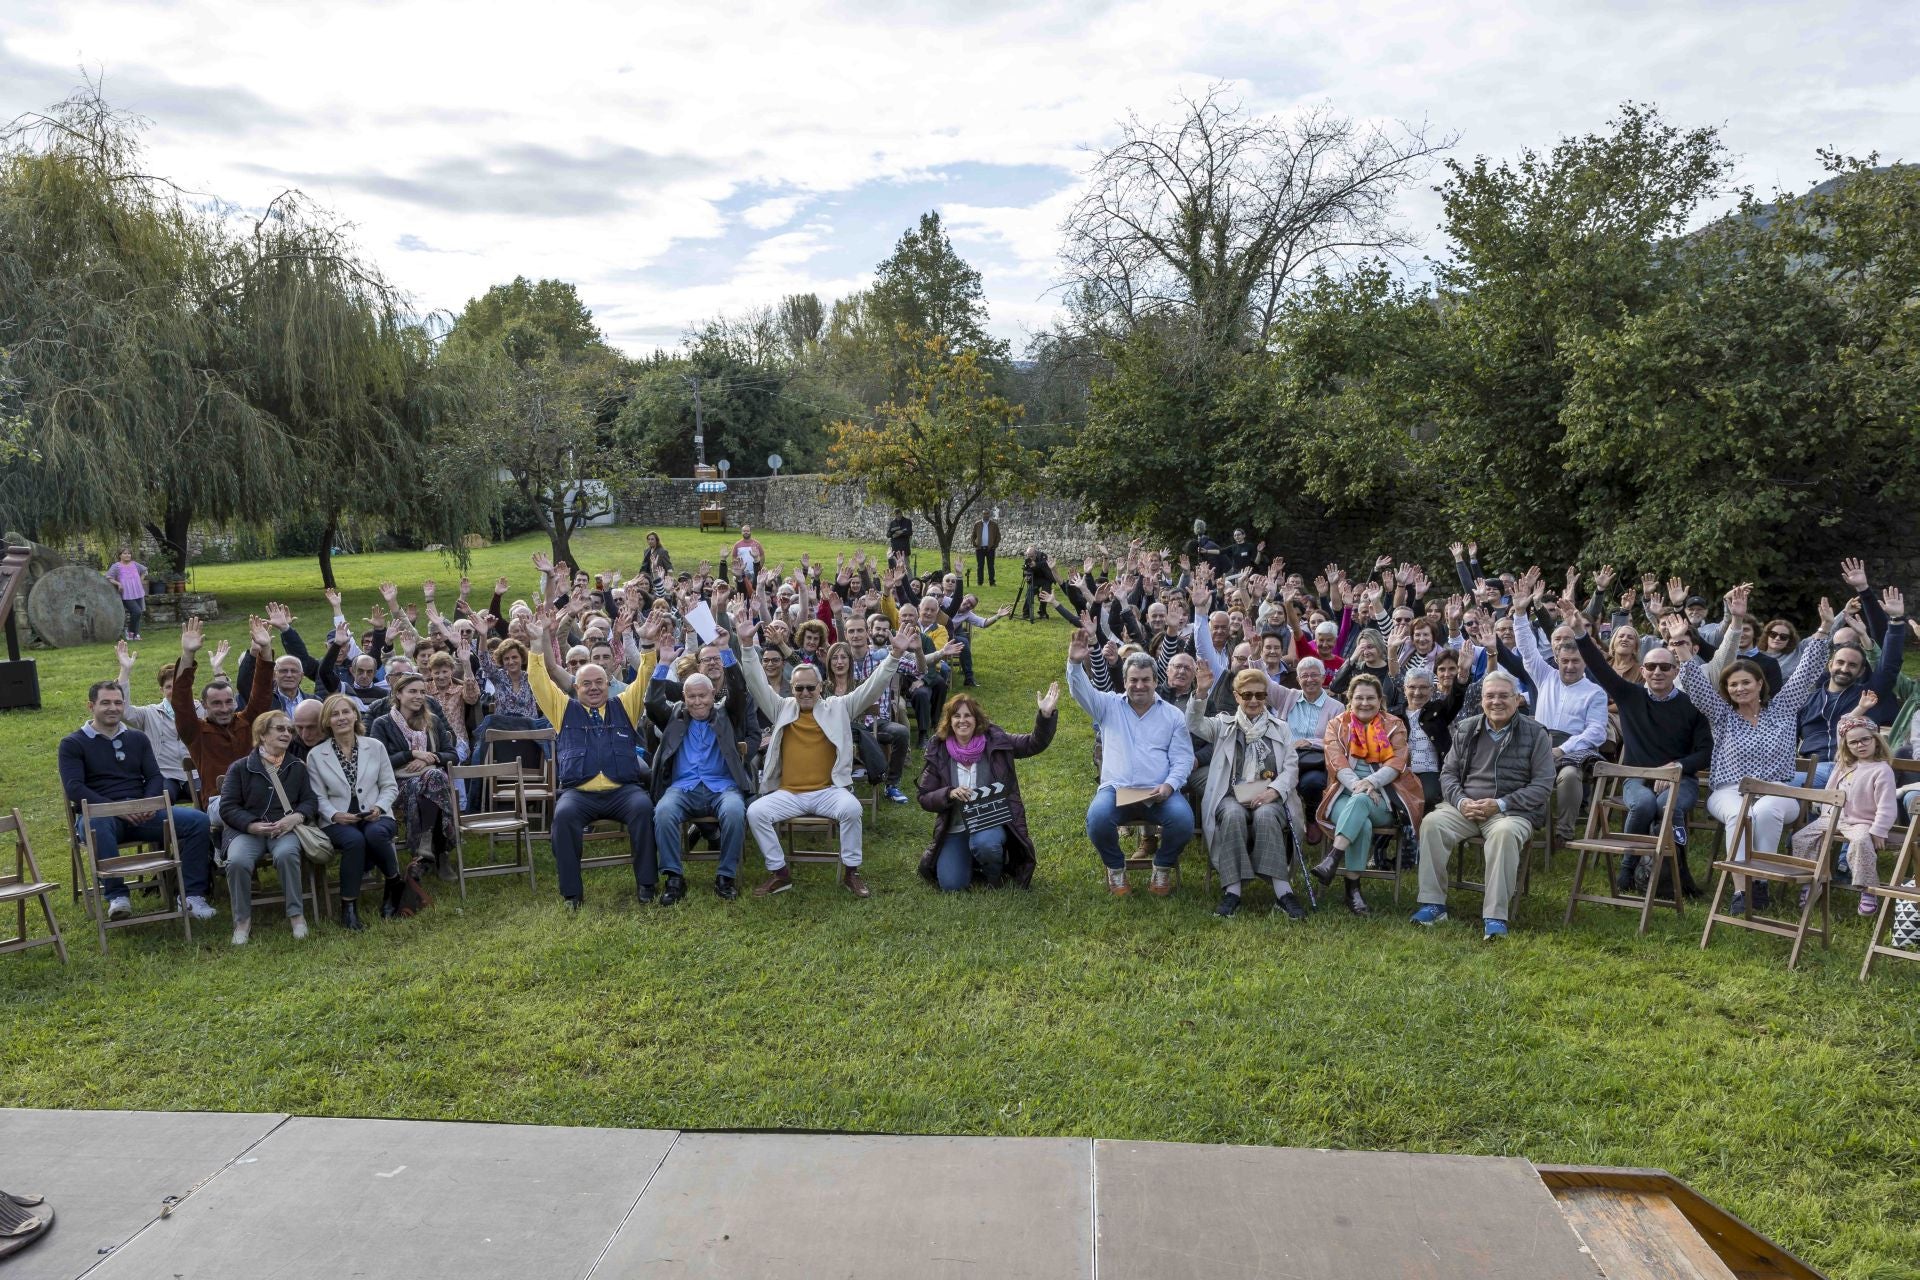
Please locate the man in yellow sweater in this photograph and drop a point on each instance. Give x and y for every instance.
(808, 768)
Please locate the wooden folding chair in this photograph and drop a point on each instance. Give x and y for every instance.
(1392, 872)
(25, 883)
(1816, 873)
(498, 781)
(149, 863)
(792, 829)
(535, 786)
(1601, 843)
(1523, 874)
(1895, 890)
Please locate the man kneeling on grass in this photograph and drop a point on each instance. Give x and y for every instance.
(808, 768)
(1496, 780)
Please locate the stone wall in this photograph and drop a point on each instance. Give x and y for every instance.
(809, 504)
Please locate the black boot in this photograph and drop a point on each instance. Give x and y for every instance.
(1323, 869)
(1355, 902)
(390, 898)
(350, 915)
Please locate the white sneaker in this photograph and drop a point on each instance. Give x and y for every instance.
(198, 907)
(299, 928)
(119, 908)
(241, 932)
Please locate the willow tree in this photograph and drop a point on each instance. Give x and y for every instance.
(109, 308)
(324, 344)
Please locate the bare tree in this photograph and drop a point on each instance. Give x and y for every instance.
(1214, 218)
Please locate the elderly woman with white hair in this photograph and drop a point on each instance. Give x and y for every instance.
(1245, 810)
(1307, 719)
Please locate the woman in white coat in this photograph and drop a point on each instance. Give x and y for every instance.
(1245, 810)
(354, 780)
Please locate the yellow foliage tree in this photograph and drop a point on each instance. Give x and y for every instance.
(942, 450)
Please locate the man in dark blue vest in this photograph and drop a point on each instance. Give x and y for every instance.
(597, 763)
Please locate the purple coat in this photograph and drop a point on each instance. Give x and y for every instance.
(1003, 748)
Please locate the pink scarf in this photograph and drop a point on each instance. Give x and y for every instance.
(970, 752)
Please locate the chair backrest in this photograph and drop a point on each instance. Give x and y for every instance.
(505, 776)
(12, 822)
(522, 735)
(1752, 789)
(125, 808)
(1610, 781)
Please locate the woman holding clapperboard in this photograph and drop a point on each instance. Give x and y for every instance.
(969, 785)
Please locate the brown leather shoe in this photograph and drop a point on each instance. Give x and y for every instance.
(1165, 880)
(776, 882)
(850, 879)
(1117, 883)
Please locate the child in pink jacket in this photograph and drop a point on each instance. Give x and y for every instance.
(1863, 774)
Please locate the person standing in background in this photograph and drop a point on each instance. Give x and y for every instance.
(986, 545)
(131, 578)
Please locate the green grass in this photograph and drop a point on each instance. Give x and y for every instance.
(1791, 1098)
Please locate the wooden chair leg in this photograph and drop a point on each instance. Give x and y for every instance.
(1713, 910)
(1806, 916)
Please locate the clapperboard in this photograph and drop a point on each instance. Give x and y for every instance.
(988, 808)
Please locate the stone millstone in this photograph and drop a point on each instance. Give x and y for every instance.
(73, 605)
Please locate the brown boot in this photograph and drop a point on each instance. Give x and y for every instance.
(776, 882)
(851, 881)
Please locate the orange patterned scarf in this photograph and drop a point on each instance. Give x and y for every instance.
(1369, 740)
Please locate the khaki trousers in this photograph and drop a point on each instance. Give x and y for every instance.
(1441, 832)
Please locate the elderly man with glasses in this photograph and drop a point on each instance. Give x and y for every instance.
(807, 770)
(1496, 780)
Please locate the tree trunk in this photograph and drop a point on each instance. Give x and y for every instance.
(326, 552)
(560, 531)
(173, 537)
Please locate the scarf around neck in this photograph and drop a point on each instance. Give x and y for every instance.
(1369, 740)
(970, 752)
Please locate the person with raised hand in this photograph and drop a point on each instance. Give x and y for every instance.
(155, 719)
(1146, 756)
(221, 730)
(970, 785)
(597, 764)
(698, 771)
(807, 768)
(1753, 737)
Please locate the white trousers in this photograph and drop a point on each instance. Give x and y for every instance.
(837, 803)
(1770, 816)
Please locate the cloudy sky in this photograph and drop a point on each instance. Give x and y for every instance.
(674, 161)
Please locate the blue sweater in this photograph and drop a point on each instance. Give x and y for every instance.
(90, 771)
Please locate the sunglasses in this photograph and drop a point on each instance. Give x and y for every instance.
(1779, 635)
(1252, 695)
(1656, 666)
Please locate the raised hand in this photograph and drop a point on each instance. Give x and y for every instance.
(220, 652)
(1826, 613)
(466, 586)
(1473, 550)
(1382, 562)
(1604, 578)
(1677, 589)
(542, 562)
(127, 656)
(1854, 571)
(1079, 645)
(907, 637)
(427, 588)
(257, 630)
(278, 617)
(389, 593)
(1737, 600)
(501, 586)
(1203, 679)
(1050, 699)
(1868, 701)
(1894, 602)
(192, 636)
(1459, 550)
(342, 635)
(1649, 583)
(1627, 599)
(333, 599)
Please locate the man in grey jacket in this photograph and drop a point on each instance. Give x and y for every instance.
(1495, 780)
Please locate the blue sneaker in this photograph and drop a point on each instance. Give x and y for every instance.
(1494, 929)
(896, 795)
(1430, 914)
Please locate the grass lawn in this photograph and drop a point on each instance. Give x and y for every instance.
(1793, 1099)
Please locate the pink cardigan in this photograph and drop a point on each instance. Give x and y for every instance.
(1871, 806)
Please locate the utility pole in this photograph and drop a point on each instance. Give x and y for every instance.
(699, 423)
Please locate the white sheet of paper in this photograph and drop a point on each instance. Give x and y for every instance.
(700, 618)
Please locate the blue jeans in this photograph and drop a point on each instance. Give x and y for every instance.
(1644, 806)
(196, 856)
(964, 852)
(1104, 819)
(677, 807)
(1822, 770)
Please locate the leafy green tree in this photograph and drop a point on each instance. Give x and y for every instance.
(942, 449)
(545, 392)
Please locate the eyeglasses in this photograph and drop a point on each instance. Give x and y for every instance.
(1253, 695)
(1780, 635)
(1656, 666)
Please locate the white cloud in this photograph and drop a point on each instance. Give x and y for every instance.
(769, 214)
(594, 140)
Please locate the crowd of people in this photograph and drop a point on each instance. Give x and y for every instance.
(1304, 729)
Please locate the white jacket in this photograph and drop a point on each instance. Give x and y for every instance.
(377, 785)
(834, 715)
